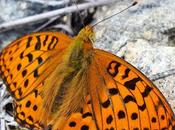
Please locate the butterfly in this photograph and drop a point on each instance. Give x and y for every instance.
(60, 83)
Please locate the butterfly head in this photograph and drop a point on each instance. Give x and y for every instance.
(86, 34)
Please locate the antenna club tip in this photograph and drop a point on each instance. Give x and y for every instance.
(134, 3)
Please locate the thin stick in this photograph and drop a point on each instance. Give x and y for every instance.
(45, 24)
(162, 75)
(50, 14)
(50, 2)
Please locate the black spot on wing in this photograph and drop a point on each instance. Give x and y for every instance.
(53, 43)
(86, 114)
(30, 118)
(30, 57)
(24, 72)
(134, 116)
(28, 104)
(45, 40)
(11, 58)
(142, 107)
(40, 60)
(109, 119)
(131, 84)
(136, 128)
(10, 52)
(28, 42)
(38, 44)
(19, 66)
(146, 91)
(129, 98)
(121, 114)
(21, 55)
(113, 71)
(85, 127)
(72, 124)
(126, 73)
(106, 103)
(36, 93)
(35, 107)
(26, 83)
(23, 114)
(15, 84)
(153, 120)
(165, 128)
(19, 91)
(113, 91)
(36, 73)
(162, 117)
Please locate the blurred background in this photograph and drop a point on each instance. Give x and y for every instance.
(144, 35)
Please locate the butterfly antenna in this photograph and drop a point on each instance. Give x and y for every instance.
(81, 17)
(133, 4)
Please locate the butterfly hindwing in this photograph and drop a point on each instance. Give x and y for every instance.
(28, 110)
(82, 120)
(24, 66)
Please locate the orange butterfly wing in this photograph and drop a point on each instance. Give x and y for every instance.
(134, 102)
(120, 97)
(83, 120)
(24, 66)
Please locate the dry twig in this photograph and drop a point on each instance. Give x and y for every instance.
(50, 2)
(162, 75)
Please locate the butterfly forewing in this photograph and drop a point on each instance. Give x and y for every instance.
(143, 105)
(24, 66)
